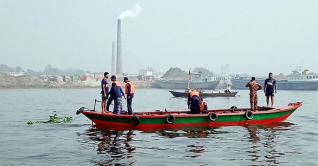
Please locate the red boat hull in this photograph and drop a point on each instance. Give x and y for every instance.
(158, 120)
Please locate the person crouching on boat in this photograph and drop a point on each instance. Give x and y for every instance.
(203, 107)
(116, 94)
(254, 87)
(194, 102)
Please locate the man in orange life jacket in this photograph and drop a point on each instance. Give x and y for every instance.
(194, 102)
(110, 99)
(203, 107)
(129, 91)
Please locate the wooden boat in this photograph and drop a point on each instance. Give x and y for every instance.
(216, 94)
(171, 119)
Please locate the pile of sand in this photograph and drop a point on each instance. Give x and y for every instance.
(7, 81)
(281, 76)
(173, 73)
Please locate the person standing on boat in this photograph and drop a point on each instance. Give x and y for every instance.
(269, 87)
(203, 107)
(110, 99)
(129, 91)
(254, 87)
(194, 102)
(104, 92)
(116, 94)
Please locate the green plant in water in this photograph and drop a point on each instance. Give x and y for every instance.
(54, 119)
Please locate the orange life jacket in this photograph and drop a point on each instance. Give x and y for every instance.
(117, 83)
(132, 88)
(194, 93)
(202, 105)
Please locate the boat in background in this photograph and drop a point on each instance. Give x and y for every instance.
(170, 119)
(203, 95)
(196, 82)
(298, 80)
(204, 83)
(175, 78)
(227, 93)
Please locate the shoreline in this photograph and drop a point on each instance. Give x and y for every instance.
(28, 82)
(88, 87)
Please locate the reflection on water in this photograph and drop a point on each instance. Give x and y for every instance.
(268, 142)
(115, 146)
(112, 144)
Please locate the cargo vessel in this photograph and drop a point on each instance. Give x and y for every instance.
(298, 80)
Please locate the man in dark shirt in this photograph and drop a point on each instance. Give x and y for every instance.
(194, 102)
(269, 87)
(104, 92)
(110, 99)
(116, 94)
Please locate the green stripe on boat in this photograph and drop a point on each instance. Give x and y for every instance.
(194, 119)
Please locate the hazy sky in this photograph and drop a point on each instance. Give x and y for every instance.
(254, 37)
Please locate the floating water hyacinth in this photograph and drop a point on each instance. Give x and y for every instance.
(54, 119)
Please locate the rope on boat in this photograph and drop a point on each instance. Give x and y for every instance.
(233, 108)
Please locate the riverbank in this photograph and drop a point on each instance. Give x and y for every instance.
(25, 81)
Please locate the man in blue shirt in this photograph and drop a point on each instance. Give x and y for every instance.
(104, 92)
(270, 87)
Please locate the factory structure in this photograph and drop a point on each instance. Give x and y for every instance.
(117, 62)
(113, 59)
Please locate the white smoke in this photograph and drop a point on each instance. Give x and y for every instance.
(131, 13)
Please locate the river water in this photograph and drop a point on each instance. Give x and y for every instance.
(293, 142)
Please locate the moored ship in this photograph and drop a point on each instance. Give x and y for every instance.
(206, 83)
(298, 80)
(175, 78)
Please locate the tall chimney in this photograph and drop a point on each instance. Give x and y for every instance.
(119, 66)
(113, 59)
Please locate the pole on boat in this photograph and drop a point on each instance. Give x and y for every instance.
(189, 78)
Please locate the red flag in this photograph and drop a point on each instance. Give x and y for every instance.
(189, 75)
